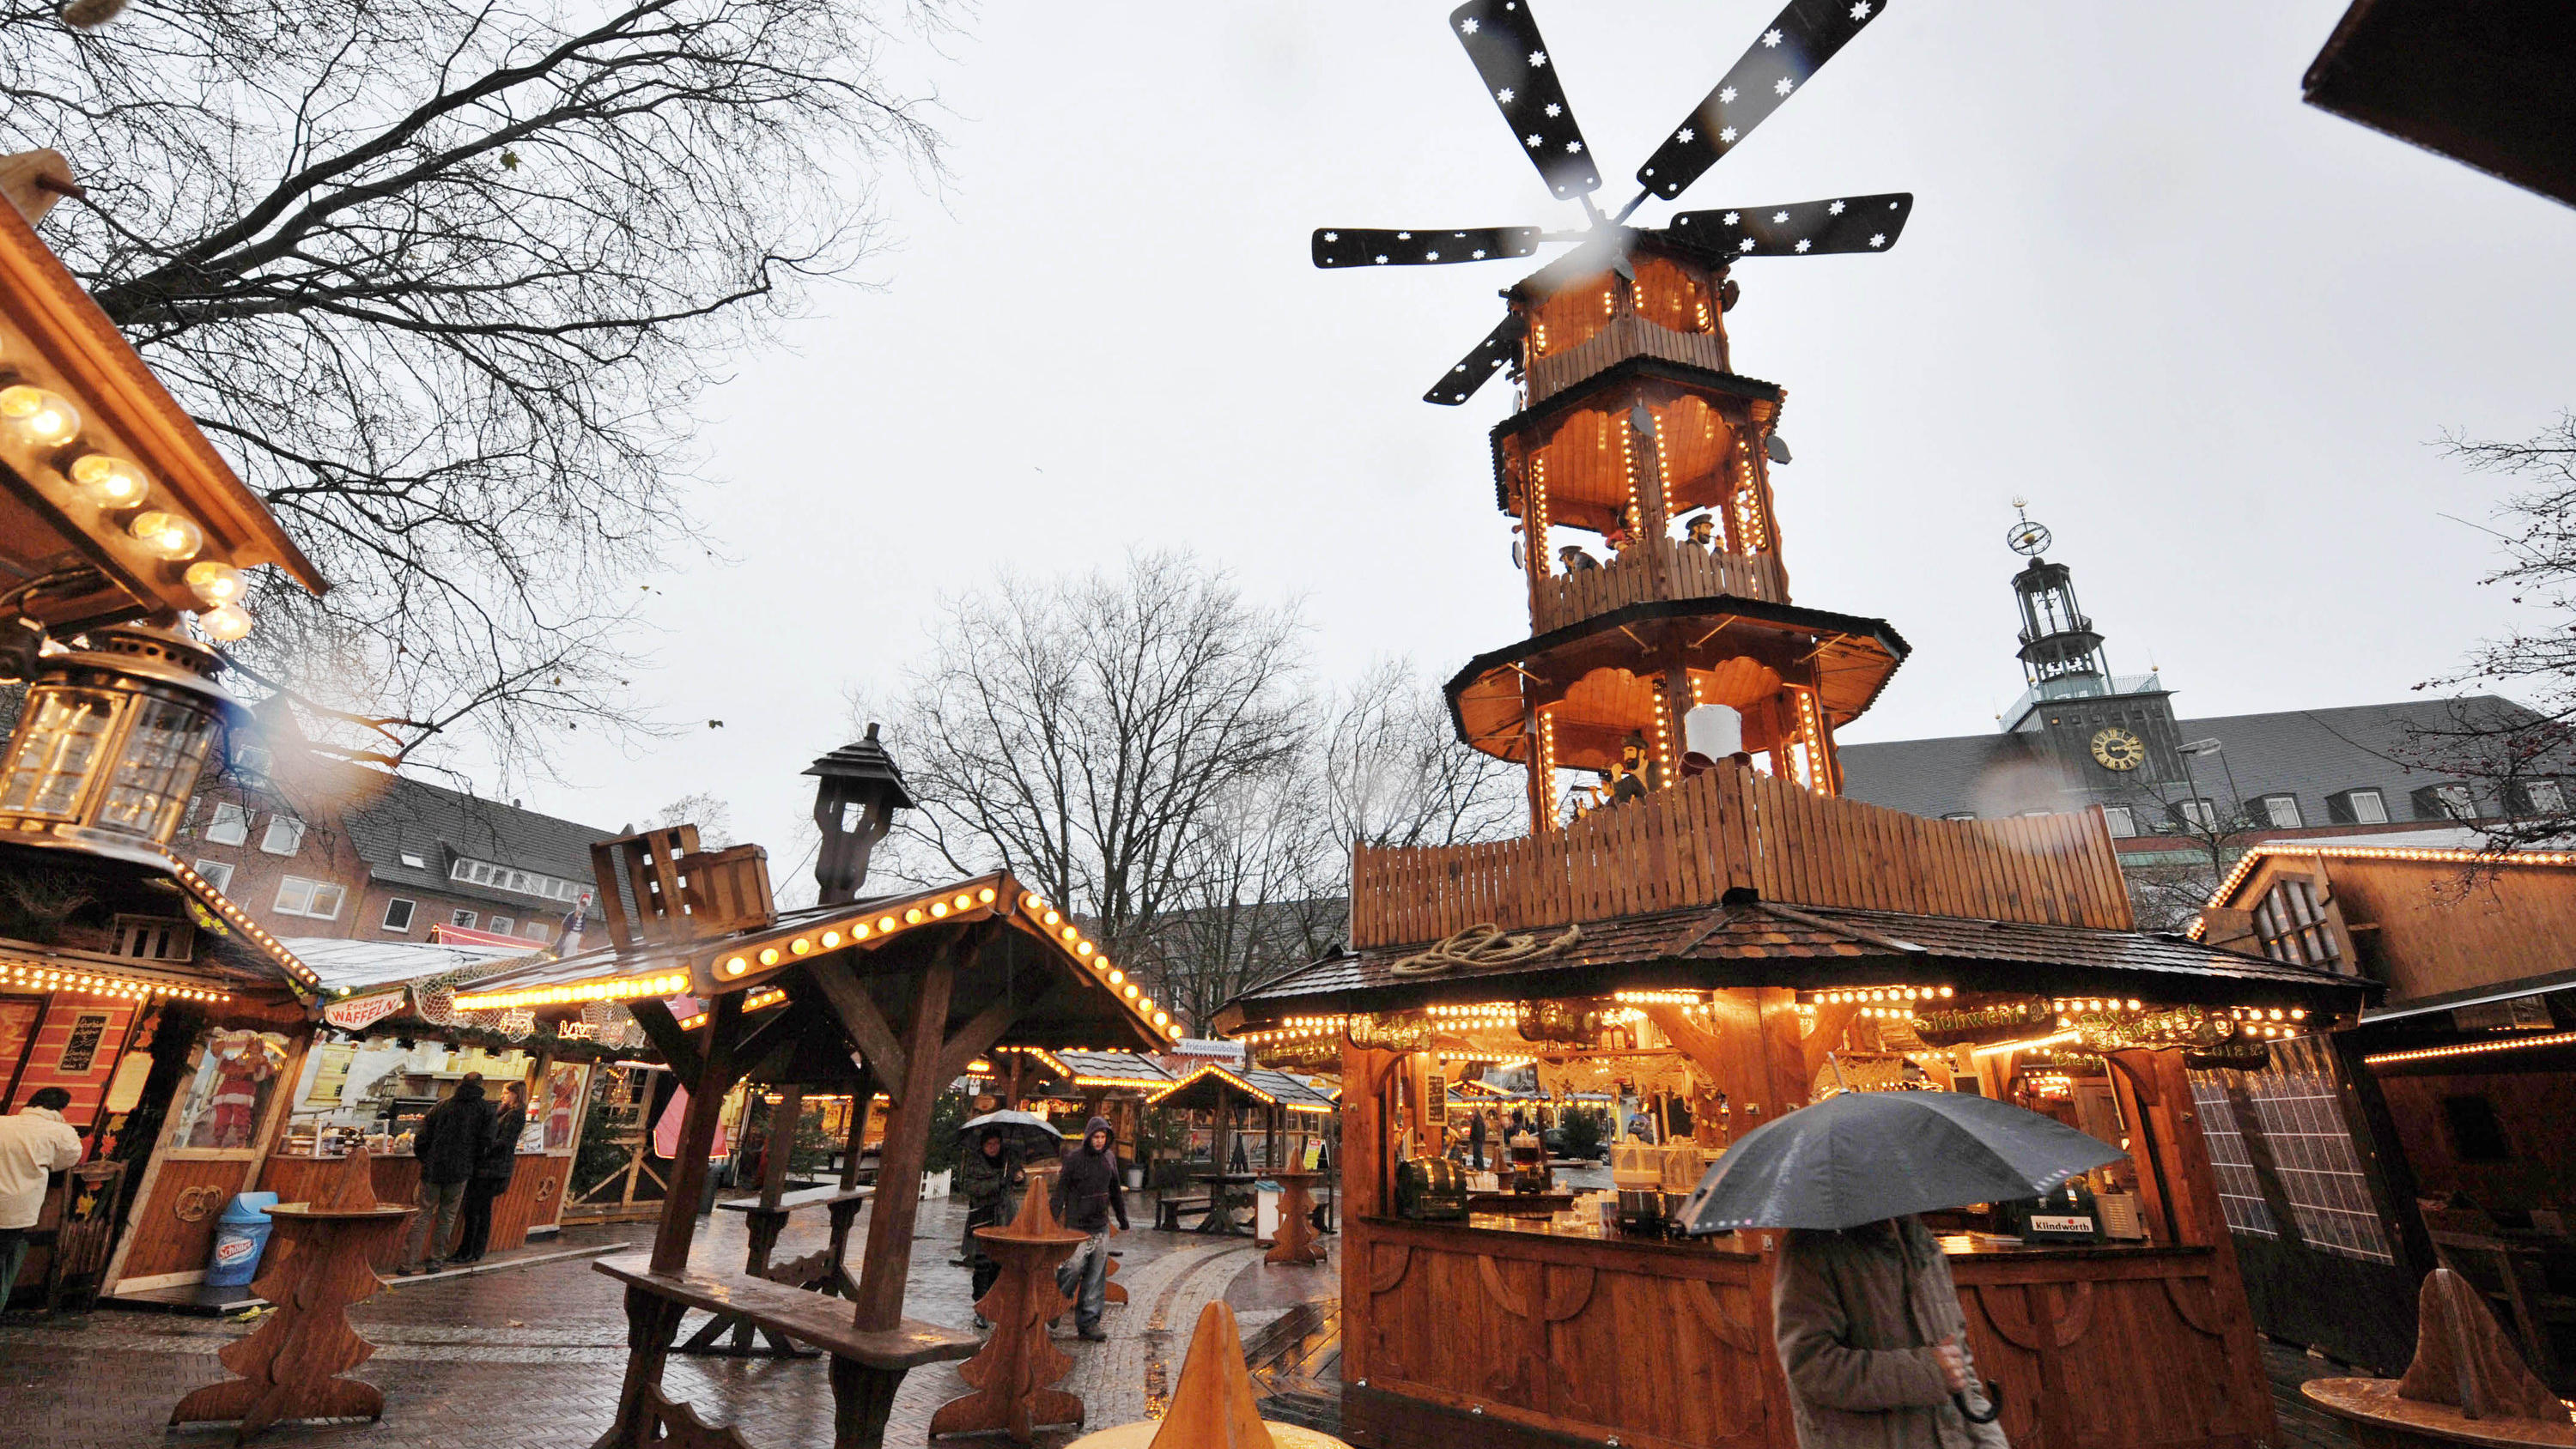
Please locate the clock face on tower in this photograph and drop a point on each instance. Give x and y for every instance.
(2117, 749)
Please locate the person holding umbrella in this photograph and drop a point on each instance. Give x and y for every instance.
(986, 1177)
(1864, 1316)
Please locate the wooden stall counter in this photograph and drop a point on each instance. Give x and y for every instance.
(536, 1187)
(1454, 1324)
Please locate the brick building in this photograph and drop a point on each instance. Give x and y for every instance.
(340, 850)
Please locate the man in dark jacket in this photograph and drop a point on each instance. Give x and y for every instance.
(1087, 1192)
(492, 1169)
(448, 1142)
(986, 1177)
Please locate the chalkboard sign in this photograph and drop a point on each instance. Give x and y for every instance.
(80, 1049)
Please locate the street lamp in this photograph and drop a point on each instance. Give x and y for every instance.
(854, 805)
(110, 742)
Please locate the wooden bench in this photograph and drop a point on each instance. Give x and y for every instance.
(867, 1365)
(825, 1270)
(1168, 1211)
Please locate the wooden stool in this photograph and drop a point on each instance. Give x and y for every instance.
(318, 1267)
(1214, 1406)
(1296, 1241)
(1018, 1362)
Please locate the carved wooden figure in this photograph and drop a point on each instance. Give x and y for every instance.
(1018, 1362)
(317, 1267)
(1296, 1241)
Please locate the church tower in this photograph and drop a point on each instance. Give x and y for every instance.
(1638, 469)
(2109, 733)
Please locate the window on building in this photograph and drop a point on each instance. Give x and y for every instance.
(2282, 812)
(2476, 1134)
(510, 878)
(152, 938)
(503, 926)
(1960, 815)
(416, 862)
(461, 918)
(231, 825)
(2445, 802)
(2357, 807)
(2292, 925)
(217, 873)
(2123, 821)
(2542, 797)
(319, 899)
(537, 931)
(284, 836)
(2197, 813)
(398, 914)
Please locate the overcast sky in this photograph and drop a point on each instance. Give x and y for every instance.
(2210, 332)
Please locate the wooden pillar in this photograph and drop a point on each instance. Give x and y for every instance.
(697, 1135)
(784, 1119)
(863, 1093)
(898, 1198)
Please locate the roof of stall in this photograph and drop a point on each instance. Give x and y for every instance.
(343, 965)
(1759, 943)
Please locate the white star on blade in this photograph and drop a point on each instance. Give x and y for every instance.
(1860, 11)
(1782, 88)
(1745, 246)
(1381, 261)
(1779, 217)
(1803, 244)
(1538, 60)
(1771, 38)
(1726, 96)
(1404, 236)
(1479, 255)
(1332, 236)
(1435, 256)
(1834, 210)
(1533, 142)
(1554, 111)
(1727, 135)
(1879, 240)
(1467, 26)
(1733, 217)
(1503, 96)
(1573, 147)
(1683, 135)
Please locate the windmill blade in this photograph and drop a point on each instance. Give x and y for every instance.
(1795, 46)
(1501, 37)
(1498, 348)
(1356, 246)
(1801, 228)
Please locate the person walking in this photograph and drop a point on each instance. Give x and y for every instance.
(986, 1177)
(492, 1169)
(1087, 1192)
(34, 1144)
(448, 1143)
(1476, 1136)
(1869, 1332)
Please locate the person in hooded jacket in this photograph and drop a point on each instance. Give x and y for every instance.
(1872, 1339)
(986, 1177)
(1087, 1193)
(448, 1142)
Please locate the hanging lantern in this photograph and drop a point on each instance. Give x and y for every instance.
(110, 743)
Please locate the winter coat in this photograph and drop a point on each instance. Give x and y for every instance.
(500, 1155)
(1088, 1190)
(1855, 1316)
(450, 1140)
(34, 1143)
(985, 1179)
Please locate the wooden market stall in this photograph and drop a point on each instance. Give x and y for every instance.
(1960, 961)
(915, 986)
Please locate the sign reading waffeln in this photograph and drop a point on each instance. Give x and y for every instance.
(359, 1012)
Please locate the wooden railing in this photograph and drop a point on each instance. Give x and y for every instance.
(1624, 337)
(1733, 829)
(1696, 573)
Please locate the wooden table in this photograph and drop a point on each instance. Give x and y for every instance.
(1296, 1241)
(2381, 1420)
(317, 1265)
(1019, 1361)
(822, 1271)
(1220, 1215)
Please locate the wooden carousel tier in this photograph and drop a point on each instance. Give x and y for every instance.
(1599, 679)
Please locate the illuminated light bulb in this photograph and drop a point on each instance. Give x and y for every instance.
(43, 416)
(831, 939)
(938, 910)
(1082, 948)
(963, 900)
(1117, 976)
(735, 966)
(226, 624)
(167, 534)
(1068, 933)
(985, 895)
(216, 583)
(912, 917)
(1051, 919)
(800, 946)
(110, 483)
(1131, 991)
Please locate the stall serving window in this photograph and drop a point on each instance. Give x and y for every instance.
(228, 1093)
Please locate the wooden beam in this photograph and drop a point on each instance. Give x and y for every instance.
(861, 1018)
(766, 1040)
(898, 1200)
(663, 1030)
(697, 1136)
(977, 1036)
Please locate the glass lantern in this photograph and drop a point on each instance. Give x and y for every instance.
(110, 743)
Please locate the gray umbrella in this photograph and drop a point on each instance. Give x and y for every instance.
(1864, 1156)
(1026, 1131)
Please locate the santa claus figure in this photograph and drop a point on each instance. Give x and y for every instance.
(243, 1061)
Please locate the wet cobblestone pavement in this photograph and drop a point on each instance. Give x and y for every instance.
(532, 1357)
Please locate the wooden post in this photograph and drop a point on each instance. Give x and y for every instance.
(863, 1095)
(697, 1134)
(898, 1199)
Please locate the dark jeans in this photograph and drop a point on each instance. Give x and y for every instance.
(13, 1256)
(477, 1216)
